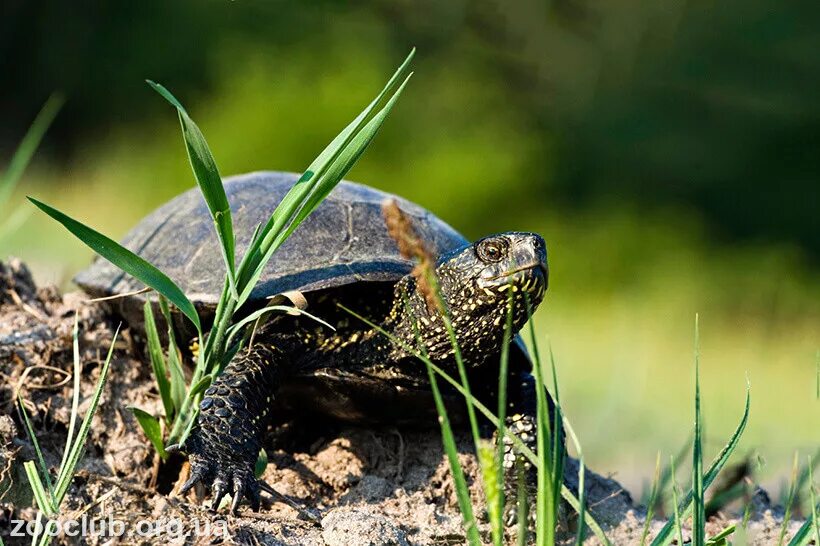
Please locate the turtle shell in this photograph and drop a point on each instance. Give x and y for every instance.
(343, 241)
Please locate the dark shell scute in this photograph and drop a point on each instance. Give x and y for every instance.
(342, 242)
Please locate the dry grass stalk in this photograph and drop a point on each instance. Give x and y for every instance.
(411, 246)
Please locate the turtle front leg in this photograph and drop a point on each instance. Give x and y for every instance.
(234, 414)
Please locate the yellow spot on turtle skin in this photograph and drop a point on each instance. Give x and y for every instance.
(472, 307)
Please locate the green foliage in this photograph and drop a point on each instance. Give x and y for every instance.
(50, 498)
(315, 184)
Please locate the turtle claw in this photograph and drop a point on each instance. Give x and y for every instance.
(223, 472)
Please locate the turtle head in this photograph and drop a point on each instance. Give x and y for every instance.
(480, 284)
(481, 281)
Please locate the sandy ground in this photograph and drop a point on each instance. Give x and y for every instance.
(355, 486)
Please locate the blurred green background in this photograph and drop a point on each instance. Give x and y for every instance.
(666, 150)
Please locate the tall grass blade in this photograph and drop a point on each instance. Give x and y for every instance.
(814, 508)
(158, 364)
(699, 517)
(33, 439)
(319, 179)
(495, 506)
(721, 538)
(210, 182)
(675, 510)
(803, 535)
(37, 489)
(297, 196)
(347, 157)
(557, 432)
(150, 426)
(545, 501)
(79, 443)
(28, 145)
(665, 534)
(177, 374)
(449, 442)
(75, 395)
(579, 536)
(125, 260)
(666, 470)
(653, 498)
(787, 516)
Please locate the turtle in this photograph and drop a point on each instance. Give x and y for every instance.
(342, 258)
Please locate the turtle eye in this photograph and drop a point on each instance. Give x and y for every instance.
(492, 250)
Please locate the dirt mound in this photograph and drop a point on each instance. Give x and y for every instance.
(354, 485)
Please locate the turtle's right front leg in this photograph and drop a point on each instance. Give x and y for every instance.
(234, 414)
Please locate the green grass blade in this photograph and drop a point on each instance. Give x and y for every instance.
(75, 395)
(449, 443)
(814, 508)
(448, 440)
(496, 506)
(13, 221)
(653, 498)
(557, 435)
(31, 141)
(492, 475)
(665, 534)
(150, 426)
(296, 197)
(158, 363)
(37, 489)
(721, 537)
(210, 182)
(125, 260)
(177, 374)
(787, 516)
(65, 477)
(202, 384)
(699, 504)
(33, 439)
(676, 512)
(666, 471)
(545, 502)
(318, 180)
(579, 536)
(346, 159)
(803, 535)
